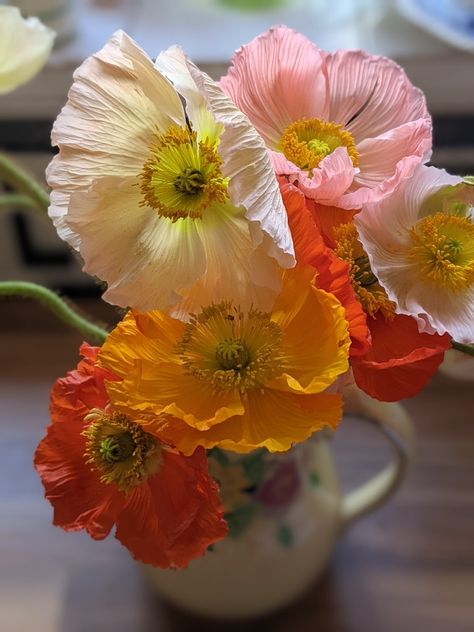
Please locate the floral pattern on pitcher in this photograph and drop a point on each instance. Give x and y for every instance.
(260, 483)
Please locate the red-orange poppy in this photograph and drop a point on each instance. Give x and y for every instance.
(101, 469)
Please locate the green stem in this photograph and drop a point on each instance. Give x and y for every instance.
(56, 305)
(469, 349)
(21, 181)
(10, 201)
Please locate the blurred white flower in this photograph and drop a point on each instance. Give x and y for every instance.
(25, 45)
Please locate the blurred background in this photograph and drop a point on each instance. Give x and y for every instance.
(412, 563)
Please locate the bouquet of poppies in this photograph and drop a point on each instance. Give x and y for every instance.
(271, 238)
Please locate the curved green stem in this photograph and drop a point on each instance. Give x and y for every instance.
(10, 201)
(469, 349)
(56, 305)
(21, 181)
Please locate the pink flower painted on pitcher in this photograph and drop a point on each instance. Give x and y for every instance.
(344, 126)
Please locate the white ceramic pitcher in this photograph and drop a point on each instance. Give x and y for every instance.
(285, 513)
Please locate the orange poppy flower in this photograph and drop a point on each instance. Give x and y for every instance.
(233, 379)
(390, 359)
(102, 469)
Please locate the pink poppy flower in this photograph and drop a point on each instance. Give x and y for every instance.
(344, 126)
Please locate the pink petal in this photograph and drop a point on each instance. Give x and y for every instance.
(384, 161)
(278, 78)
(370, 95)
(330, 180)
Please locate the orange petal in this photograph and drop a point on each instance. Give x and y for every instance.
(401, 360)
(315, 335)
(175, 516)
(332, 273)
(79, 499)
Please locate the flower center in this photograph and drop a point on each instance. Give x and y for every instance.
(231, 349)
(182, 177)
(120, 450)
(442, 247)
(232, 354)
(369, 291)
(307, 141)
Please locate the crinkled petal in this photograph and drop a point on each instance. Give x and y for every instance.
(252, 183)
(145, 259)
(401, 360)
(79, 499)
(117, 102)
(74, 395)
(330, 180)
(312, 361)
(175, 516)
(386, 160)
(278, 78)
(384, 232)
(25, 46)
(371, 95)
(172, 64)
(332, 273)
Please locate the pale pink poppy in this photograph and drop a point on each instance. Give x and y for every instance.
(344, 126)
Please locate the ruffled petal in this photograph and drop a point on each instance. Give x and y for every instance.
(386, 160)
(275, 420)
(82, 389)
(252, 182)
(278, 78)
(384, 232)
(25, 46)
(401, 360)
(172, 64)
(114, 107)
(371, 95)
(235, 269)
(314, 360)
(175, 516)
(332, 273)
(330, 180)
(79, 499)
(145, 259)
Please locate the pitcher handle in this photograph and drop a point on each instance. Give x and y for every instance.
(394, 422)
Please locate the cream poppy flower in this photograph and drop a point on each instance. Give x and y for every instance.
(25, 45)
(420, 243)
(163, 185)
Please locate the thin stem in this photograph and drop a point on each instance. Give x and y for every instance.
(23, 182)
(469, 349)
(55, 304)
(10, 201)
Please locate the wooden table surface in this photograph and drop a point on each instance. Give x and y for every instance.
(408, 566)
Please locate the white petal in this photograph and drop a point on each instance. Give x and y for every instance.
(145, 260)
(235, 270)
(25, 46)
(115, 105)
(253, 184)
(384, 233)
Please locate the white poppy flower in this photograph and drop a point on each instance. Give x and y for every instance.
(25, 46)
(420, 243)
(163, 185)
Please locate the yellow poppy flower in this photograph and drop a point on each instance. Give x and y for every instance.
(235, 379)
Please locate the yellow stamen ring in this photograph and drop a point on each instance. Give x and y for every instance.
(231, 349)
(442, 247)
(120, 450)
(307, 141)
(371, 294)
(182, 177)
